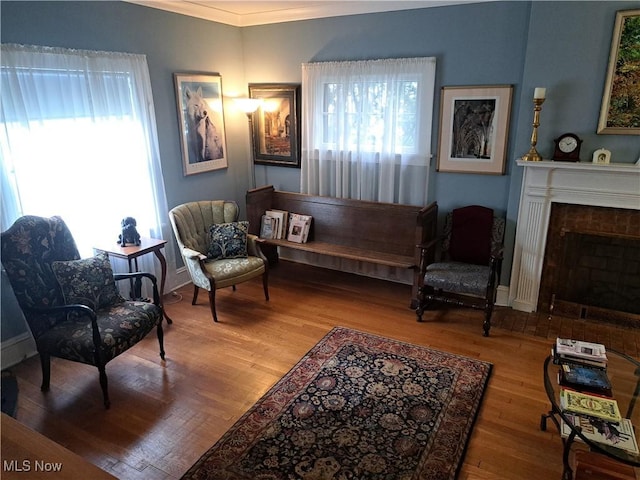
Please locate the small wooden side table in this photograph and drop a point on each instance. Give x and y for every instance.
(131, 253)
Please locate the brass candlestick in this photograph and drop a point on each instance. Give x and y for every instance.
(533, 155)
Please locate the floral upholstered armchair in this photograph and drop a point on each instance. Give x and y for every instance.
(468, 271)
(72, 305)
(217, 249)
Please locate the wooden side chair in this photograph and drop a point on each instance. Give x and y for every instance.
(217, 250)
(467, 273)
(72, 305)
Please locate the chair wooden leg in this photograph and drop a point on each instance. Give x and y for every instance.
(161, 338)
(212, 304)
(265, 285)
(104, 385)
(45, 362)
(486, 325)
(422, 304)
(195, 295)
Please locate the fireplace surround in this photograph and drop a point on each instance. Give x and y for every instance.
(591, 264)
(546, 183)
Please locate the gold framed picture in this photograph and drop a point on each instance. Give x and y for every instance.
(276, 130)
(620, 110)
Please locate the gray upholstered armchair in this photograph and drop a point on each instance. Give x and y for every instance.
(468, 271)
(217, 250)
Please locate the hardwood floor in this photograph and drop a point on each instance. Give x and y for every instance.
(165, 416)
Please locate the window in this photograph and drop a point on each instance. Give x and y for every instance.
(367, 129)
(366, 104)
(79, 140)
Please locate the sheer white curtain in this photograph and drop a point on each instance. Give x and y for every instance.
(79, 140)
(366, 129)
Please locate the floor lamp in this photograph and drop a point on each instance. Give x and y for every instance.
(249, 106)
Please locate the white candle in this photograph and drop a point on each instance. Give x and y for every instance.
(539, 92)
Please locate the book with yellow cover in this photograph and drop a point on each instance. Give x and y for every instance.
(593, 405)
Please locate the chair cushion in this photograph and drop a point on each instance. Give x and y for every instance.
(471, 235)
(121, 327)
(230, 271)
(228, 240)
(456, 277)
(88, 281)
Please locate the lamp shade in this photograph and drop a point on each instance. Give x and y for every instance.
(247, 105)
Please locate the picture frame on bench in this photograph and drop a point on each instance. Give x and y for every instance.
(276, 128)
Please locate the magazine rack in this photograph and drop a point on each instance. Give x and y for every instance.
(624, 373)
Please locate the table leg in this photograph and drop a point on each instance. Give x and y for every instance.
(133, 294)
(163, 267)
(567, 472)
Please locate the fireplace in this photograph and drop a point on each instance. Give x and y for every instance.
(566, 208)
(591, 263)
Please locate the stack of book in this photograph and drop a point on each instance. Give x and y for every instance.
(586, 395)
(585, 353)
(281, 225)
(274, 224)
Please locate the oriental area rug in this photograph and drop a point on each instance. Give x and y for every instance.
(356, 406)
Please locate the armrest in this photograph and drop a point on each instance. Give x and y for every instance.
(495, 264)
(430, 244)
(66, 309)
(75, 308)
(427, 253)
(497, 253)
(124, 276)
(253, 246)
(138, 276)
(188, 253)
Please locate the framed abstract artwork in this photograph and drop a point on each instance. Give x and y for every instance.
(620, 110)
(201, 120)
(276, 131)
(474, 127)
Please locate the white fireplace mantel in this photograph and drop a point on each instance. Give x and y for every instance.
(546, 182)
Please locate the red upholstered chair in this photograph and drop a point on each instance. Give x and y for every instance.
(468, 271)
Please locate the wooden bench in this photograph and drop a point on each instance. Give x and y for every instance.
(372, 232)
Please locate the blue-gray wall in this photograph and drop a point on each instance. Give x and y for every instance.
(563, 46)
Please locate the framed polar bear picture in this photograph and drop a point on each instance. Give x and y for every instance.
(201, 121)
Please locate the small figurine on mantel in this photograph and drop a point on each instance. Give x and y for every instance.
(129, 233)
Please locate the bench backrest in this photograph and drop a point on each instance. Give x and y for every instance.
(381, 227)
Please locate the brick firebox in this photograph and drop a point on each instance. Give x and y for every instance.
(591, 263)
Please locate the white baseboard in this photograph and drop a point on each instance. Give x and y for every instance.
(179, 279)
(502, 296)
(17, 349)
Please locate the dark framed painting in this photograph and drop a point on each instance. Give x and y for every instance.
(474, 127)
(201, 120)
(276, 128)
(620, 110)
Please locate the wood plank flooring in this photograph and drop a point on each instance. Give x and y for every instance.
(165, 416)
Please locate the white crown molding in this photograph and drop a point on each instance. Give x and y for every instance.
(267, 12)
